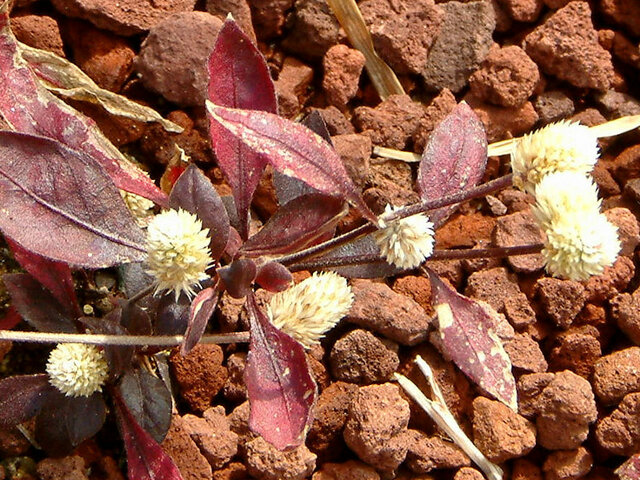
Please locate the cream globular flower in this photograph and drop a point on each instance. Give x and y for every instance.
(407, 242)
(77, 370)
(311, 308)
(559, 147)
(580, 241)
(178, 252)
(140, 207)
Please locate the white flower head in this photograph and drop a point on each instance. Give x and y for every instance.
(140, 207)
(561, 195)
(558, 147)
(178, 251)
(311, 308)
(407, 242)
(76, 369)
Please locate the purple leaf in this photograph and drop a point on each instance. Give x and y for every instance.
(45, 314)
(65, 422)
(274, 277)
(55, 276)
(119, 357)
(194, 193)
(238, 78)
(21, 397)
(279, 385)
(454, 159)
(60, 204)
(291, 149)
(630, 470)
(200, 312)
(149, 400)
(145, 458)
(172, 317)
(296, 225)
(29, 108)
(238, 276)
(467, 332)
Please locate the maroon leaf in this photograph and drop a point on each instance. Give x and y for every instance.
(119, 357)
(29, 108)
(454, 159)
(149, 400)
(10, 320)
(280, 387)
(238, 78)
(292, 149)
(55, 276)
(238, 277)
(194, 193)
(65, 422)
(145, 458)
(200, 312)
(274, 277)
(21, 397)
(630, 470)
(45, 314)
(60, 204)
(467, 333)
(295, 225)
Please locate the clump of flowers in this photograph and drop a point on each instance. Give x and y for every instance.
(407, 242)
(558, 147)
(140, 207)
(178, 251)
(311, 308)
(580, 240)
(77, 370)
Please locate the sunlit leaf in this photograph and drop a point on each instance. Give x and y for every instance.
(279, 385)
(200, 312)
(274, 277)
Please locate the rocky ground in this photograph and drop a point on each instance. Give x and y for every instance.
(520, 64)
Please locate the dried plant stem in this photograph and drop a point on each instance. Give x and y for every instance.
(437, 409)
(475, 192)
(129, 340)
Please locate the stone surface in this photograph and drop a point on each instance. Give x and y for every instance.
(625, 310)
(291, 86)
(614, 279)
(390, 124)
(628, 229)
(617, 375)
(212, 435)
(342, 68)
(416, 287)
(431, 453)
(337, 123)
(360, 357)
(561, 300)
(388, 313)
(199, 375)
(463, 43)
(124, 18)
(465, 230)
(355, 151)
(234, 389)
(269, 16)
(520, 228)
(376, 428)
(179, 445)
(525, 470)
(507, 77)
(566, 409)
(313, 29)
(623, 12)
(173, 58)
(576, 349)
(617, 104)
(403, 31)
(266, 462)
(567, 464)
(499, 432)
(529, 389)
(240, 11)
(349, 470)
(525, 353)
(38, 31)
(468, 473)
(566, 46)
(503, 122)
(619, 433)
(68, 468)
(435, 113)
(492, 286)
(553, 105)
(518, 311)
(522, 10)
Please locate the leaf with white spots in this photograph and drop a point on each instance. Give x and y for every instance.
(454, 159)
(280, 387)
(468, 337)
(291, 149)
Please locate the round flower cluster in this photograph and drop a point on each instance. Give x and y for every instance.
(76, 369)
(311, 308)
(178, 251)
(407, 242)
(553, 164)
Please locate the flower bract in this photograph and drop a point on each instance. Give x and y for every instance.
(77, 370)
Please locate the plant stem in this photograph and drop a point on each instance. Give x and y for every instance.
(141, 294)
(475, 192)
(128, 340)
